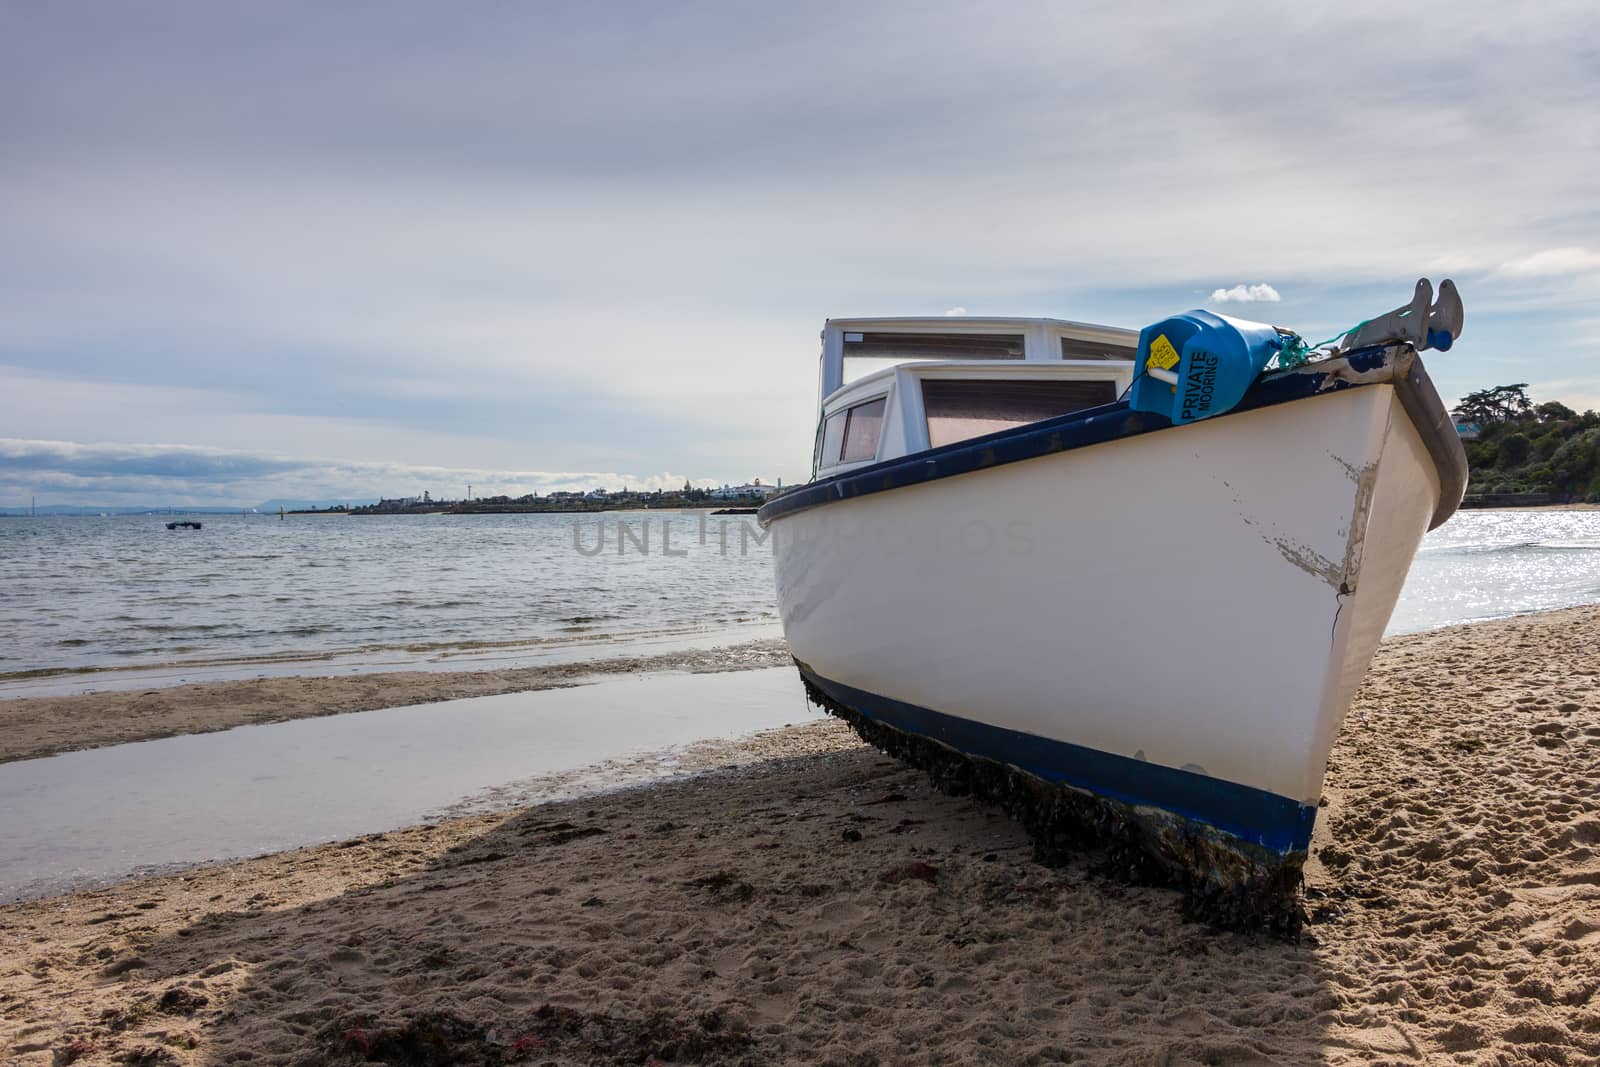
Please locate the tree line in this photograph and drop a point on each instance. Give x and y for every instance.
(1523, 447)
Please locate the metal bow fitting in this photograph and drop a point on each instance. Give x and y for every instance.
(1423, 323)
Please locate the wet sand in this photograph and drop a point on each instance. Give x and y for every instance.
(31, 727)
(822, 905)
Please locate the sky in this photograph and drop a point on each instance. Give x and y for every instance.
(347, 250)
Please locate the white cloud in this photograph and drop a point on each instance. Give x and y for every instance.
(956, 311)
(1455, 264)
(1247, 294)
(1553, 262)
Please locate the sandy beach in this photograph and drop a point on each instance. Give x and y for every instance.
(819, 904)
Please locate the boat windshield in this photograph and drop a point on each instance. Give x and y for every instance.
(959, 409)
(866, 352)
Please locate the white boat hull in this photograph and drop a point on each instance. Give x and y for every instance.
(1174, 620)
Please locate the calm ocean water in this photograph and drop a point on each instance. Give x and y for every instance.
(125, 591)
(258, 592)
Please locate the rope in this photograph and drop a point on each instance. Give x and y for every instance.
(1295, 352)
(1131, 384)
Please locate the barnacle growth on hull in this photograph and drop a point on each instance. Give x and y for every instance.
(1225, 882)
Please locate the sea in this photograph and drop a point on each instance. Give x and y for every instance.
(105, 602)
(102, 602)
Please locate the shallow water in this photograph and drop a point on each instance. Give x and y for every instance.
(90, 817)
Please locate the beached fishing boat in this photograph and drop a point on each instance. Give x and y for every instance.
(1125, 583)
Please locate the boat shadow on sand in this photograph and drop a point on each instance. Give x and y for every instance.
(829, 909)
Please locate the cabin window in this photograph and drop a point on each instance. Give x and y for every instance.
(851, 435)
(1077, 348)
(865, 352)
(861, 431)
(959, 409)
(832, 438)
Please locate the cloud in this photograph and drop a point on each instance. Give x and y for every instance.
(1247, 294)
(956, 311)
(131, 474)
(1553, 262)
(543, 238)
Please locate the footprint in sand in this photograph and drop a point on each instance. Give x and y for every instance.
(347, 958)
(839, 913)
(1549, 735)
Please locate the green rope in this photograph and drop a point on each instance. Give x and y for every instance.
(1296, 353)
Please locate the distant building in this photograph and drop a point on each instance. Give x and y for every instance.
(1468, 431)
(749, 491)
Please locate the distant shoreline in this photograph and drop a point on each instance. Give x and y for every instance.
(532, 509)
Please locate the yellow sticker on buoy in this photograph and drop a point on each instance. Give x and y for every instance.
(1162, 355)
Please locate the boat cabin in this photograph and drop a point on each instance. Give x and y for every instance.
(893, 387)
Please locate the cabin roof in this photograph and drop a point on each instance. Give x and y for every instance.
(971, 323)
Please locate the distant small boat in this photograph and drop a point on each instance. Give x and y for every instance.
(185, 525)
(1125, 619)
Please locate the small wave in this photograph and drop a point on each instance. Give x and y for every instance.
(1437, 551)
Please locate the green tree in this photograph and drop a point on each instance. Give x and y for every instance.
(1503, 403)
(1554, 410)
(1514, 449)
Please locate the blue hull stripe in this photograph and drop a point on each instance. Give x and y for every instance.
(1276, 823)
